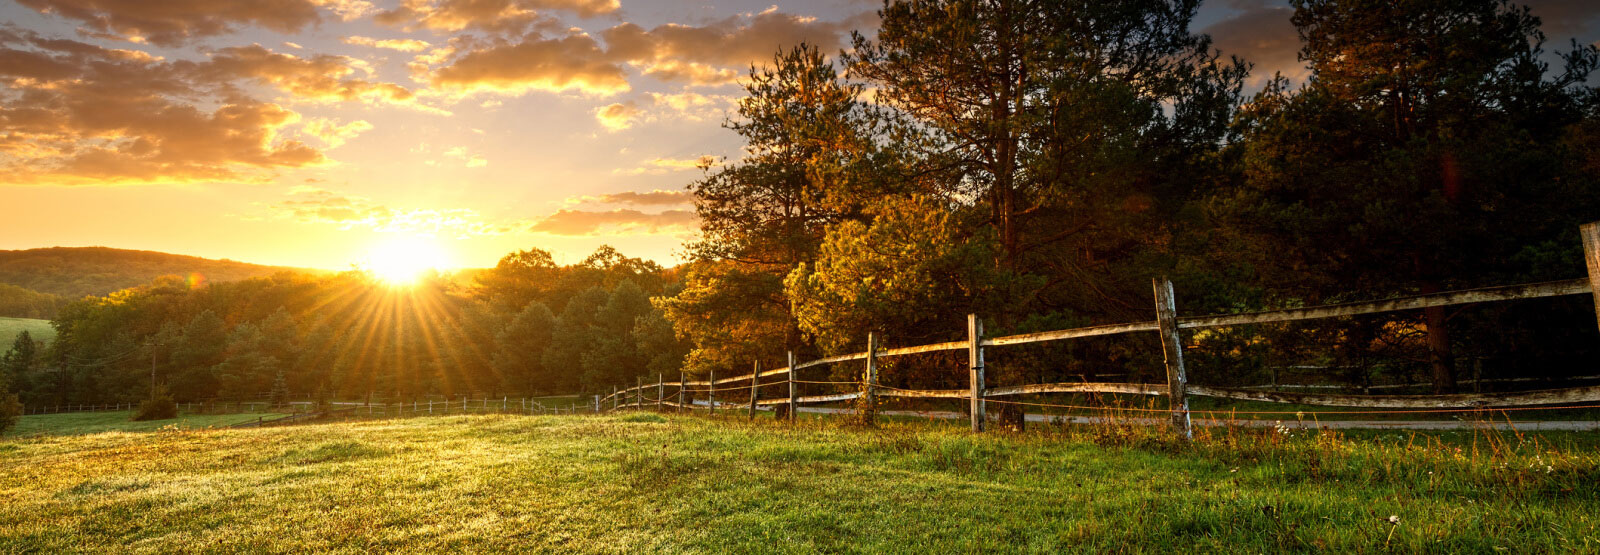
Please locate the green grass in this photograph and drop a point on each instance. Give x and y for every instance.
(79, 423)
(39, 329)
(644, 483)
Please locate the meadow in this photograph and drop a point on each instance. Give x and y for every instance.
(39, 329)
(694, 484)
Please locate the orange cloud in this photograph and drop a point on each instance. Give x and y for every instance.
(501, 16)
(174, 22)
(660, 166)
(403, 45)
(574, 62)
(706, 54)
(585, 223)
(76, 113)
(619, 116)
(657, 197)
(322, 77)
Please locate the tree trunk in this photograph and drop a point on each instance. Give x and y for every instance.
(1439, 356)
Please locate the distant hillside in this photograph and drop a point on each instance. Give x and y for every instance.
(72, 272)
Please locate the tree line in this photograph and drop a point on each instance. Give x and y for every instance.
(524, 327)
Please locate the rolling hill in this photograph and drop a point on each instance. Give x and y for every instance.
(68, 273)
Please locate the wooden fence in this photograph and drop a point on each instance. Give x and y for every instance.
(1167, 325)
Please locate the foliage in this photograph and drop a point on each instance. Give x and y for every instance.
(351, 336)
(520, 348)
(1443, 154)
(912, 267)
(159, 406)
(19, 302)
(810, 162)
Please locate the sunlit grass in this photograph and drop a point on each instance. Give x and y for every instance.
(638, 482)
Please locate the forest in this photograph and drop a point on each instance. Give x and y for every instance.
(1033, 162)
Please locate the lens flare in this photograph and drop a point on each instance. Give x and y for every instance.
(405, 260)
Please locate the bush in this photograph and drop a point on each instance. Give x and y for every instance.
(10, 411)
(159, 406)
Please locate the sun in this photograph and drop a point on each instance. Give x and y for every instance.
(404, 260)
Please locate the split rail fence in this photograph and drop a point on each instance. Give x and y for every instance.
(1167, 325)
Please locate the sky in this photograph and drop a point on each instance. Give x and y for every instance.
(314, 133)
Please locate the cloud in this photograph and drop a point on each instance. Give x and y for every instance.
(472, 160)
(660, 166)
(75, 113)
(498, 16)
(403, 45)
(323, 77)
(175, 22)
(619, 116)
(657, 197)
(695, 106)
(1262, 35)
(624, 221)
(321, 206)
(715, 53)
(696, 74)
(574, 62)
(332, 134)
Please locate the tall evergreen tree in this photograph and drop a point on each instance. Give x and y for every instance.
(1425, 152)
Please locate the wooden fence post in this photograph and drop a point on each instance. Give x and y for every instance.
(755, 380)
(1591, 257)
(975, 363)
(793, 407)
(661, 392)
(1172, 351)
(869, 389)
(711, 391)
(682, 383)
(638, 392)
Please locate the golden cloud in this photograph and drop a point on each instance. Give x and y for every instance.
(660, 166)
(76, 113)
(332, 133)
(501, 16)
(322, 77)
(586, 223)
(174, 22)
(707, 54)
(656, 197)
(403, 45)
(619, 116)
(574, 62)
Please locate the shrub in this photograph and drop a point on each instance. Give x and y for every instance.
(159, 406)
(10, 411)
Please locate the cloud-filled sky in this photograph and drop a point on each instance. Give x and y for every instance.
(305, 132)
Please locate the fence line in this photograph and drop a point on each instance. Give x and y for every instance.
(1168, 325)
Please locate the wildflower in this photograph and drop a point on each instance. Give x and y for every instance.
(1394, 519)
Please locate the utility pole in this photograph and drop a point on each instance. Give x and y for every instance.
(152, 347)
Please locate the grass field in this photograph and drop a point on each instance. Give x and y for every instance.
(79, 423)
(641, 482)
(10, 327)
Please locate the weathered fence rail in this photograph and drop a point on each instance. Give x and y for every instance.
(1168, 324)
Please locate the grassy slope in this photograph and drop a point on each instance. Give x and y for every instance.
(642, 483)
(10, 327)
(79, 423)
